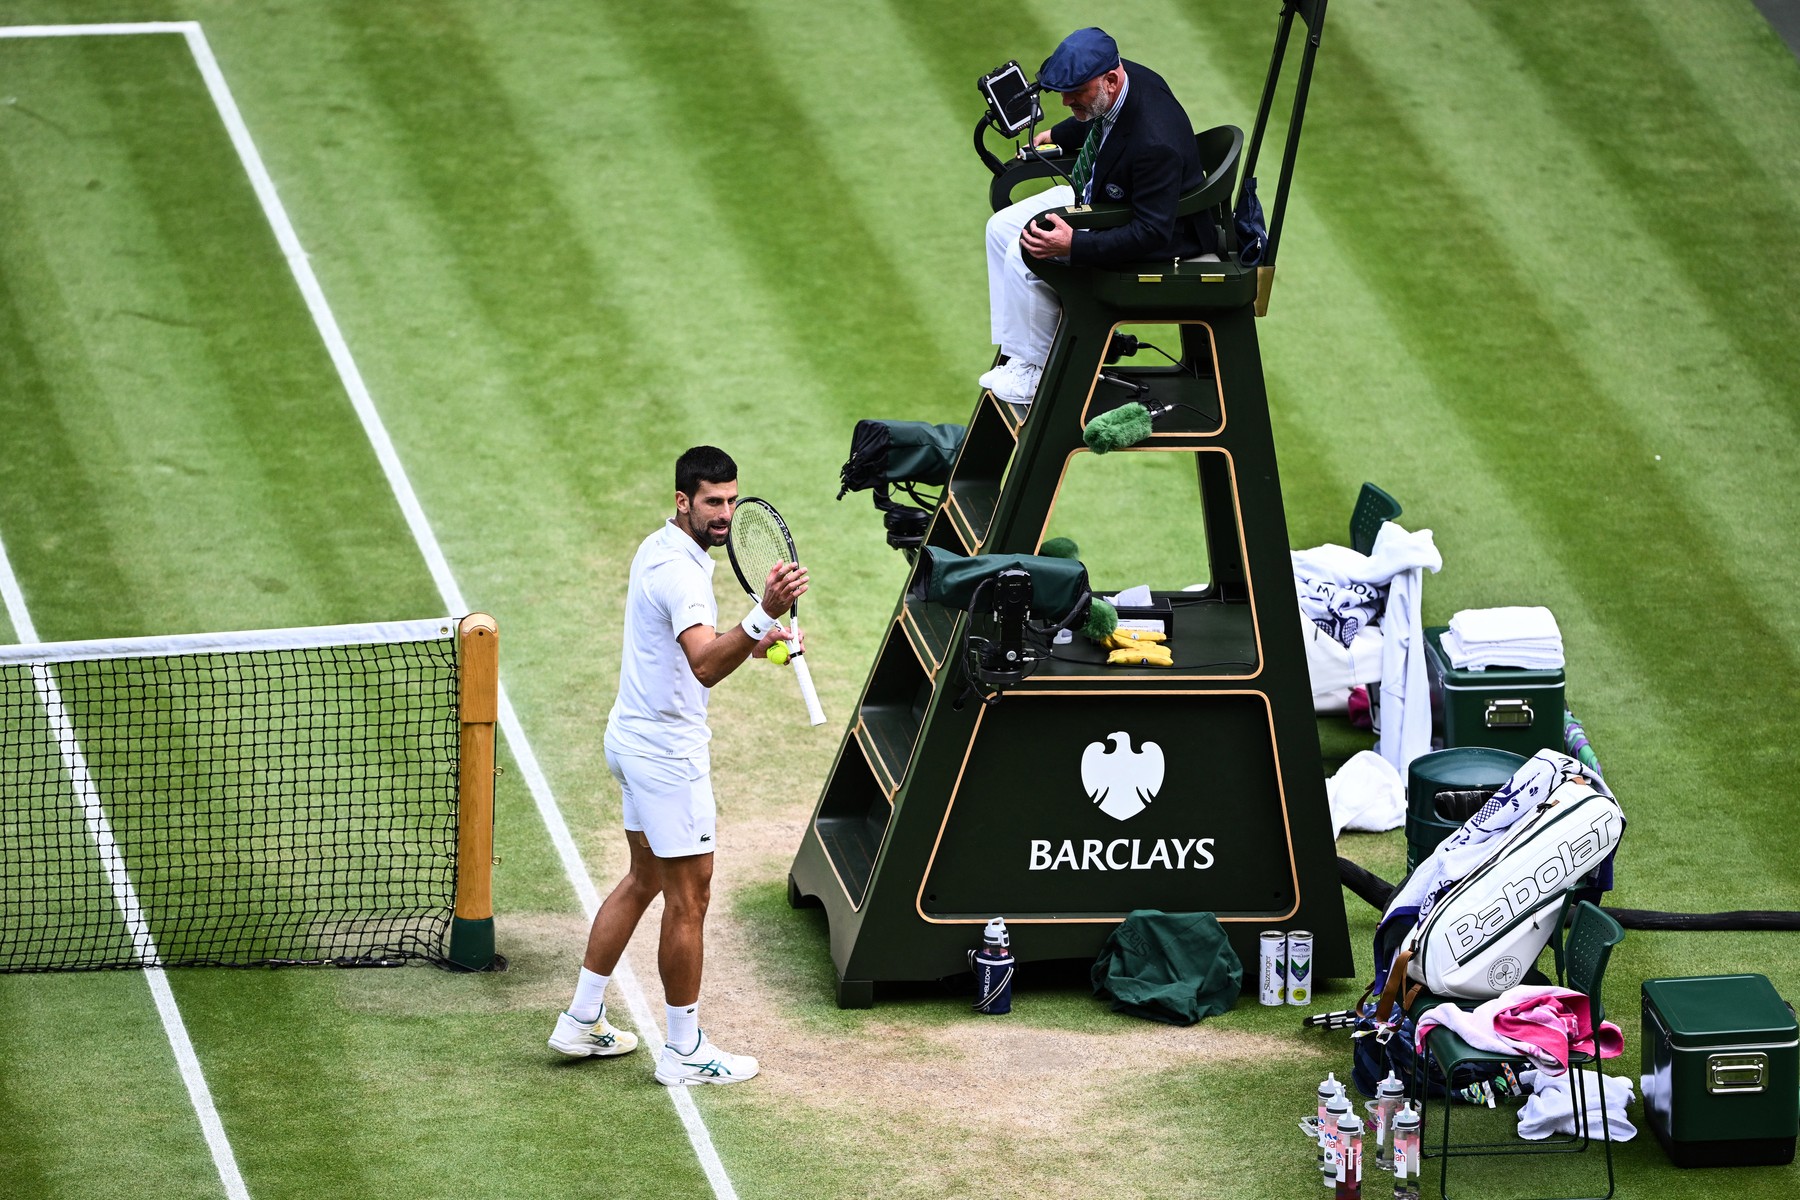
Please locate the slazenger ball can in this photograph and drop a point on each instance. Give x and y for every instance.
(1274, 967)
(1299, 967)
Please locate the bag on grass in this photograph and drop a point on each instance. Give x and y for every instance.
(1172, 967)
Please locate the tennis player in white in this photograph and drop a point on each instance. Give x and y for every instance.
(656, 747)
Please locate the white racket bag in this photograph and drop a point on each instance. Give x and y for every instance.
(1482, 935)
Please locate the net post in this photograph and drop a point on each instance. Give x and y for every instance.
(478, 670)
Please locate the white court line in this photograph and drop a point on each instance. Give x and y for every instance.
(548, 809)
(124, 895)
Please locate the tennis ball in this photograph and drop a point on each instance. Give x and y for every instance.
(778, 653)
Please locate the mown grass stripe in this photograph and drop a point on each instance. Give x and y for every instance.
(825, 275)
(320, 311)
(1677, 166)
(52, 480)
(1622, 300)
(523, 255)
(1465, 314)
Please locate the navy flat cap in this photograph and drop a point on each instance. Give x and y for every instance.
(1083, 55)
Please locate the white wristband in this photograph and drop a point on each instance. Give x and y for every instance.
(757, 623)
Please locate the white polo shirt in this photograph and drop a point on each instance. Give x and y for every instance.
(661, 708)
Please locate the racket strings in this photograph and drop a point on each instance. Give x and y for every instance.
(757, 546)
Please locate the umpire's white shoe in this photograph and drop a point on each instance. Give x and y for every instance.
(1018, 384)
(706, 1064)
(595, 1039)
(990, 377)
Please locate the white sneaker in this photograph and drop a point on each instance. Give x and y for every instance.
(1019, 384)
(993, 376)
(596, 1039)
(706, 1064)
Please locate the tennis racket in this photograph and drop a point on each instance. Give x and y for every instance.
(758, 541)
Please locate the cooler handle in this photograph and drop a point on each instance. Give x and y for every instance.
(1736, 1073)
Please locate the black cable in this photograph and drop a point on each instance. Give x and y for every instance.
(1188, 367)
(1378, 892)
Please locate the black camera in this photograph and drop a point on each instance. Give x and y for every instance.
(1004, 661)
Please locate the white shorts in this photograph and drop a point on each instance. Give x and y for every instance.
(668, 800)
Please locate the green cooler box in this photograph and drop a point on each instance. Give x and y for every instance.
(1508, 708)
(1721, 1070)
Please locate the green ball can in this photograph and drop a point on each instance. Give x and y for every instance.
(1299, 966)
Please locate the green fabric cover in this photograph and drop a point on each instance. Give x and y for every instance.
(947, 578)
(921, 453)
(1177, 968)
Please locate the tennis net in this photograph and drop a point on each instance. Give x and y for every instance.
(278, 796)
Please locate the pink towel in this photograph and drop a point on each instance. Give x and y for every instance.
(1533, 1021)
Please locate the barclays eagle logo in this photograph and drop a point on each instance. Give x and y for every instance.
(1122, 784)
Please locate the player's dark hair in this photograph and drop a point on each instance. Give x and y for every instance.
(703, 464)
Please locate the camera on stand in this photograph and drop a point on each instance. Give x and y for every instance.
(1004, 660)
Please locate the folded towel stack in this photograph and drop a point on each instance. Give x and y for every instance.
(1504, 637)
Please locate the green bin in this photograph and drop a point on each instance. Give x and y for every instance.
(1508, 708)
(1721, 1070)
(1431, 815)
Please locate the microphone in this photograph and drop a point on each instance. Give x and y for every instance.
(1102, 619)
(1126, 425)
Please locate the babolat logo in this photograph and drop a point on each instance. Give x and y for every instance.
(1121, 783)
(1551, 877)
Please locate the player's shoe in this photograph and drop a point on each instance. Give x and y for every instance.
(706, 1064)
(596, 1039)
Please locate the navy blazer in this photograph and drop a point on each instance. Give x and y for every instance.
(1148, 161)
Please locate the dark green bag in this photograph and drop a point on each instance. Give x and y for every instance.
(947, 578)
(1172, 967)
(900, 452)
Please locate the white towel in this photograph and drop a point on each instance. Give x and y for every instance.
(1367, 794)
(1505, 624)
(1405, 701)
(1479, 638)
(1551, 1106)
(1336, 668)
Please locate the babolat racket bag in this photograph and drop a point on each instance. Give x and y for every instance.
(1473, 918)
(1484, 933)
(900, 452)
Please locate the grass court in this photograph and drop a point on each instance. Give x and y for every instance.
(1538, 280)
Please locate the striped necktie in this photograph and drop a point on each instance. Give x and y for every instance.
(1084, 161)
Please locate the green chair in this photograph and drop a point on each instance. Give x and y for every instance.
(1581, 958)
(1373, 506)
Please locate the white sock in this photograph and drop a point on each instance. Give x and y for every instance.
(590, 997)
(684, 1026)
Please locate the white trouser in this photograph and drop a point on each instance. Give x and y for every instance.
(1022, 309)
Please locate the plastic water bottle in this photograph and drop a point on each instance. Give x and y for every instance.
(1388, 1095)
(1336, 1112)
(993, 967)
(1328, 1088)
(1349, 1168)
(1406, 1153)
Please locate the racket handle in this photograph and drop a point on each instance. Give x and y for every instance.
(814, 714)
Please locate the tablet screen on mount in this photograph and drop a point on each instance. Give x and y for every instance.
(1011, 99)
